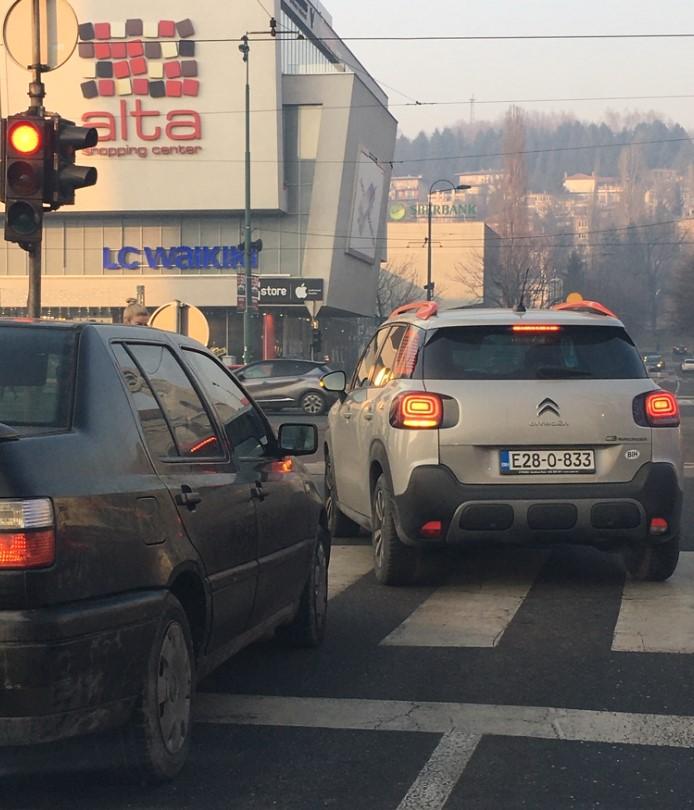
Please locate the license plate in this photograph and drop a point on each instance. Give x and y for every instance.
(546, 462)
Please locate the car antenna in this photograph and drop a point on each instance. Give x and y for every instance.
(520, 306)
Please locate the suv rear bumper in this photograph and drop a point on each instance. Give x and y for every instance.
(594, 514)
(74, 669)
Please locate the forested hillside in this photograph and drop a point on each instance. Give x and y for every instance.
(555, 147)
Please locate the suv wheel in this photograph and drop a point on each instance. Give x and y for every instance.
(312, 403)
(339, 525)
(307, 629)
(394, 562)
(157, 740)
(651, 563)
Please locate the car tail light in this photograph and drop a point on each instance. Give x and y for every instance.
(416, 410)
(658, 526)
(431, 529)
(27, 534)
(536, 327)
(662, 409)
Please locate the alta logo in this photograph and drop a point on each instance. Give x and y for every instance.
(147, 60)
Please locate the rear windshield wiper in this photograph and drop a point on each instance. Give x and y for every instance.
(557, 372)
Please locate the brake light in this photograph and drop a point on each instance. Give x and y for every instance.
(431, 529)
(417, 410)
(536, 327)
(27, 534)
(662, 409)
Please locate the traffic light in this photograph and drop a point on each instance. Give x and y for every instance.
(27, 142)
(66, 177)
(316, 341)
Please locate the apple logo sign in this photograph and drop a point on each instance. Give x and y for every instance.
(301, 292)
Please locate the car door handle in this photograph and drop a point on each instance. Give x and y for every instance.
(347, 414)
(368, 415)
(187, 497)
(257, 493)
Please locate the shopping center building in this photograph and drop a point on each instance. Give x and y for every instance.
(164, 84)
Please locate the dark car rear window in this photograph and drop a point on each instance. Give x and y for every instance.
(500, 353)
(36, 378)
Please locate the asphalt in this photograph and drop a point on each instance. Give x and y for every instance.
(550, 717)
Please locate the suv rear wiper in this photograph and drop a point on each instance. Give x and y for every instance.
(557, 372)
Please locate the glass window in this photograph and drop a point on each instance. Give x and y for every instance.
(384, 365)
(157, 434)
(499, 353)
(37, 378)
(184, 410)
(365, 367)
(258, 371)
(243, 425)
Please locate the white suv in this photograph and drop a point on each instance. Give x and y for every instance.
(536, 426)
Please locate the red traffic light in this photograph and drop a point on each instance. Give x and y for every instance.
(25, 137)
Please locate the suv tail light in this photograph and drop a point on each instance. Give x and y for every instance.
(27, 534)
(416, 410)
(657, 409)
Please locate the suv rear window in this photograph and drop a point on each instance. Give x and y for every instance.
(36, 378)
(499, 353)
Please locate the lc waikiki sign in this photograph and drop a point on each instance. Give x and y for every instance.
(139, 62)
(183, 257)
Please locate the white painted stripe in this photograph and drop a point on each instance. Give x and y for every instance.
(658, 617)
(472, 719)
(439, 776)
(347, 565)
(476, 609)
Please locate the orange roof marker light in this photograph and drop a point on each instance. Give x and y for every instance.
(592, 307)
(421, 309)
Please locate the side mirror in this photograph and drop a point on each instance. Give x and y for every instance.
(298, 440)
(335, 381)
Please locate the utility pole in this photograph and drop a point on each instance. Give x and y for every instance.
(244, 47)
(249, 340)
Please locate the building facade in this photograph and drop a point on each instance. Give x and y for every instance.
(164, 84)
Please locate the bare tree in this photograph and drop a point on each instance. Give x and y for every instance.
(397, 285)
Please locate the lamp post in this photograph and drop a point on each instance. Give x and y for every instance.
(429, 286)
(247, 321)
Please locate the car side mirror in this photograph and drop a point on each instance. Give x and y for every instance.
(298, 439)
(335, 381)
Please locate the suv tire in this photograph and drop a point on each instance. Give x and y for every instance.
(653, 563)
(312, 403)
(339, 525)
(394, 562)
(307, 628)
(157, 740)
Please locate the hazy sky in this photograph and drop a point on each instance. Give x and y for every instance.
(518, 70)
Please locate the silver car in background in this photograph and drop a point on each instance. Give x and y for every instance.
(287, 383)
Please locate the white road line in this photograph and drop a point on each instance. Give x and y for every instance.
(440, 775)
(475, 719)
(347, 565)
(476, 609)
(658, 617)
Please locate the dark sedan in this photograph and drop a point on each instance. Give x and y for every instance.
(286, 383)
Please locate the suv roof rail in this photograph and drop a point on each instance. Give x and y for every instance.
(586, 306)
(421, 309)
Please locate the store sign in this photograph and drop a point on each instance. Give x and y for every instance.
(164, 85)
(282, 292)
(399, 212)
(183, 257)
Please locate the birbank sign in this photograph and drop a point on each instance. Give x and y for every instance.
(163, 83)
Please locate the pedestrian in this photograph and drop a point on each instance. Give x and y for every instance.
(135, 314)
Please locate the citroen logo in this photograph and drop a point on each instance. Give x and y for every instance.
(548, 406)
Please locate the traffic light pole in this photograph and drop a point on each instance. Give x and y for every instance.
(37, 93)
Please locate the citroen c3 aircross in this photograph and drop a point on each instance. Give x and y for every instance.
(501, 425)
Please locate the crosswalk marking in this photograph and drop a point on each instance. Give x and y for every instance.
(475, 609)
(538, 722)
(658, 617)
(347, 565)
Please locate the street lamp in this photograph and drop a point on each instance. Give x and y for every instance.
(429, 286)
